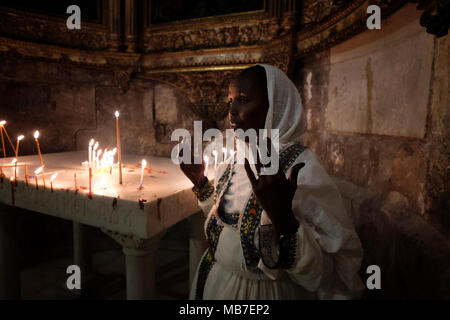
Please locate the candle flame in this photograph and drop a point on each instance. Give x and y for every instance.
(54, 176)
(91, 142)
(36, 134)
(99, 152)
(20, 137)
(14, 160)
(224, 150)
(206, 158)
(38, 170)
(116, 114)
(114, 151)
(144, 163)
(214, 152)
(12, 179)
(2, 123)
(96, 146)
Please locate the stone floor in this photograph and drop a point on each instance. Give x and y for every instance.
(46, 278)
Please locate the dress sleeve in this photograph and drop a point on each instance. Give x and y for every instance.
(328, 228)
(205, 196)
(301, 256)
(303, 259)
(325, 253)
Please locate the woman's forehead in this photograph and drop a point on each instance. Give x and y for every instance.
(247, 84)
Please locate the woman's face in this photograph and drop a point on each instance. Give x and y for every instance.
(248, 103)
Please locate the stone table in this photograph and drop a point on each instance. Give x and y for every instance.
(137, 219)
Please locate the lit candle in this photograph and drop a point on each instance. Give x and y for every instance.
(38, 170)
(215, 163)
(206, 165)
(51, 180)
(94, 152)
(224, 151)
(232, 152)
(36, 138)
(144, 164)
(12, 190)
(19, 138)
(2, 123)
(91, 144)
(99, 152)
(119, 152)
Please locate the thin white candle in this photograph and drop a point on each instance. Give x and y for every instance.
(94, 152)
(14, 162)
(206, 158)
(91, 144)
(144, 164)
(51, 180)
(19, 138)
(99, 152)
(119, 150)
(38, 170)
(215, 163)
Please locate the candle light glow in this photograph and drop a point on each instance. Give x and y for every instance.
(119, 152)
(51, 180)
(206, 158)
(141, 181)
(2, 127)
(19, 138)
(36, 138)
(2, 123)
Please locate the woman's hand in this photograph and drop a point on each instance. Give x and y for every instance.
(194, 172)
(275, 194)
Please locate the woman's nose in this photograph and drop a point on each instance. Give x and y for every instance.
(232, 109)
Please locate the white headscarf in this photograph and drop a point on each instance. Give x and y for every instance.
(285, 106)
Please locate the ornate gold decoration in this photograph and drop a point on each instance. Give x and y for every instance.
(212, 37)
(51, 30)
(436, 16)
(199, 56)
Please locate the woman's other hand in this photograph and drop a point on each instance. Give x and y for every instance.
(275, 194)
(194, 172)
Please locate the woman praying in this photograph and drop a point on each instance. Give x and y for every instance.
(280, 236)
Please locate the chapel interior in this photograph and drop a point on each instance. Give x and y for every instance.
(376, 103)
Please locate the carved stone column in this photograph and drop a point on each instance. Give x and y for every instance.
(82, 254)
(130, 25)
(9, 258)
(114, 40)
(140, 263)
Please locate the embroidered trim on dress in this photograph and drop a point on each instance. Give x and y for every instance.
(249, 223)
(205, 191)
(252, 214)
(213, 231)
(288, 251)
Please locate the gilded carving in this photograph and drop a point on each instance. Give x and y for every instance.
(33, 27)
(200, 57)
(213, 37)
(206, 90)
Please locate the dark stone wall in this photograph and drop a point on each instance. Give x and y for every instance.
(69, 105)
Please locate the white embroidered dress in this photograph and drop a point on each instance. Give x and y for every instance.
(326, 252)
